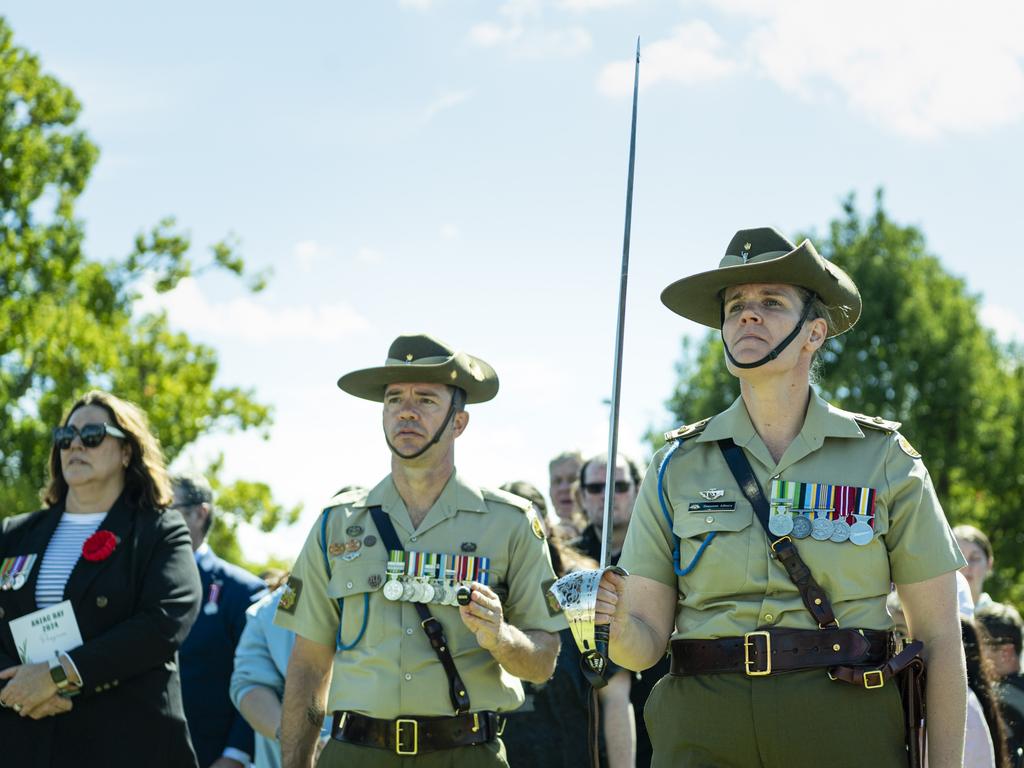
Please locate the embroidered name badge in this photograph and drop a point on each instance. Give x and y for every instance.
(712, 506)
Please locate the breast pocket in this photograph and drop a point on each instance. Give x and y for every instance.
(847, 571)
(354, 582)
(723, 565)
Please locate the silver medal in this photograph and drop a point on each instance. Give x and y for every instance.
(861, 533)
(780, 525)
(393, 590)
(840, 531)
(801, 527)
(427, 593)
(821, 528)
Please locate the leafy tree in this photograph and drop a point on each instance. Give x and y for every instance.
(920, 355)
(68, 322)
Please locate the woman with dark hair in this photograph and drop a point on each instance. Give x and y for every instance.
(106, 554)
(985, 746)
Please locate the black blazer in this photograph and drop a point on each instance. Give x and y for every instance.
(133, 610)
(208, 658)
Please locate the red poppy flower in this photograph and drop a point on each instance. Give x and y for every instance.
(99, 546)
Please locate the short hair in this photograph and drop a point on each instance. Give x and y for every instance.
(458, 399)
(975, 536)
(566, 456)
(1003, 624)
(145, 477)
(527, 491)
(195, 490)
(635, 473)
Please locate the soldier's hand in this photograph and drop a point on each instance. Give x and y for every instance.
(608, 592)
(55, 705)
(483, 616)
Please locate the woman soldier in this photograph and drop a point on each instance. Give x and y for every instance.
(738, 502)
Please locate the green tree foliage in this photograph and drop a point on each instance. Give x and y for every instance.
(68, 323)
(920, 355)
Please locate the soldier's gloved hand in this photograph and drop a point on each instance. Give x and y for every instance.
(608, 591)
(483, 616)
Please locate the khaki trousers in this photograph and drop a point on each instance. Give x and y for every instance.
(792, 720)
(343, 755)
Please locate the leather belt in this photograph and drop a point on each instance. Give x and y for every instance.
(768, 651)
(416, 735)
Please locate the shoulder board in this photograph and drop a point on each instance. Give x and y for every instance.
(523, 505)
(348, 497)
(688, 430)
(876, 422)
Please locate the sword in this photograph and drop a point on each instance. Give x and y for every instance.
(576, 592)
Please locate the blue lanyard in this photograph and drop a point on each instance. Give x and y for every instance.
(340, 645)
(676, 563)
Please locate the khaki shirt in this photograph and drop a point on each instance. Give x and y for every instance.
(392, 670)
(737, 585)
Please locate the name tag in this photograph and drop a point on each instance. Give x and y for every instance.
(712, 506)
(40, 634)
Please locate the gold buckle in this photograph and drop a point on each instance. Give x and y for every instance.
(777, 542)
(747, 661)
(867, 679)
(501, 724)
(415, 736)
(476, 722)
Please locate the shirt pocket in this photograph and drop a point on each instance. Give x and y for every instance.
(723, 565)
(355, 583)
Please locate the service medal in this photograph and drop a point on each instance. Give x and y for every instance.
(426, 593)
(393, 589)
(821, 528)
(780, 525)
(861, 533)
(840, 531)
(409, 592)
(801, 527)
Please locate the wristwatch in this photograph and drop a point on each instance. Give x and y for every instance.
(59, 675)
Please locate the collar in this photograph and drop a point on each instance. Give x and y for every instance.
(457, 496)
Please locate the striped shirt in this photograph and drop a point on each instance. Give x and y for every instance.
(62, 554)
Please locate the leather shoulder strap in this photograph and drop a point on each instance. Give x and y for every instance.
(431, 626)
(813, 596)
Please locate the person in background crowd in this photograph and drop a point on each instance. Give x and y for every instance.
(628, 477)
(563, 472)
(550, 730)
(978, 551)
(257, 682)
(220, 735)
(1003, 626)
(532, 494)
(391, 668)
(985, 744)
(106, 544)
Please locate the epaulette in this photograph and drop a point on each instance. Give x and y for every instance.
(688, 430)
(876, 422)
(348, 497)
(523, 505)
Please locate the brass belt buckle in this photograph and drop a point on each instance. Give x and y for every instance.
(399, 750)
(873, 674)
(748, 643)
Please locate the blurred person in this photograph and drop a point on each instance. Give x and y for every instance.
(257, 682)
(563, 473)
(220, 735)
(532, 493)
(550, 730)
(1003, 626)
(977, 551)
(106, 543)
(423, 597)
(628, 476)
(985, 744)
(741, 510)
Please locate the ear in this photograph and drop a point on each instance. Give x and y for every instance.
(126, 455)
(459, 422)
(818, 333)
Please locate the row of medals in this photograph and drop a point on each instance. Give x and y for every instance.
(422, 589)
(785, 521)
(13, 581)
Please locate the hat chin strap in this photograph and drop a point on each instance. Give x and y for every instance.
(778, 349)
(427, 447)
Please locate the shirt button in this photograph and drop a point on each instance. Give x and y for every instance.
(349, 585)
(413, 539)
(709, 519)
(769, 617)
(408, 676)
(408, 630)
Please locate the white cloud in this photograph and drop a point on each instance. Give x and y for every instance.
(521, 29)
(449, 232)
(446, 100)
(693, 54)
(369, 255)
(308, 252)
(1007, 323)
(919, 67)
(249, 319)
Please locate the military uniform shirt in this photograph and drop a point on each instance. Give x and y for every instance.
(393, 671)
(737, 585)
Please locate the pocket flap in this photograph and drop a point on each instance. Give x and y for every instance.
(356, 577)
(687, 525)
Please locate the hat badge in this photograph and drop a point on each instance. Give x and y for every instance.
(408, 358)
(745, 253)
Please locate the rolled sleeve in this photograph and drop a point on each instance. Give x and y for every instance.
(647, 550)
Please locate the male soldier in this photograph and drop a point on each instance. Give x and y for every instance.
(221, 737)
(357, 602)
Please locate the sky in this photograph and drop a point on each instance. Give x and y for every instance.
(459, 168)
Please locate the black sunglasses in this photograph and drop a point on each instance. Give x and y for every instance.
(91, 434)
(621, 486)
